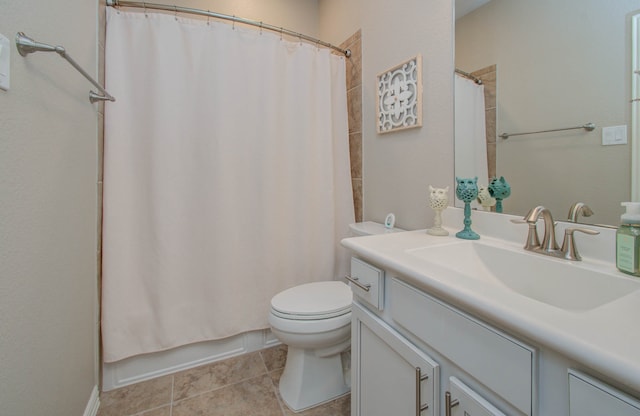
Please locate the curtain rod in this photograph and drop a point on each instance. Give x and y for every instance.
(470, 76)
(261, 25)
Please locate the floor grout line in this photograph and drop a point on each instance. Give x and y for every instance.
(276, 392)
(173, 384)
(218, 388)
(264, 363)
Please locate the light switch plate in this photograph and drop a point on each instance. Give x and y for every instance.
(614, 135)
(5, 63)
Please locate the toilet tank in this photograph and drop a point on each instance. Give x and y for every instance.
(370, 228)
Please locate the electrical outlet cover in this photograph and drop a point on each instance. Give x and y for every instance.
(5, 64)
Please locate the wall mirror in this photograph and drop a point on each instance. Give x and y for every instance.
(556, 64)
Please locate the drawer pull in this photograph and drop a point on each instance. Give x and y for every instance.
(449, 404)
(355, 281)
(419, 379)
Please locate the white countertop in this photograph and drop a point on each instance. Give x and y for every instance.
(605, 339)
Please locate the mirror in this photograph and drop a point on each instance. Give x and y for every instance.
(557, 65)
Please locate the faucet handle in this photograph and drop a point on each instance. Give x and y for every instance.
(569, 244)
(532, 237)
(577, 209)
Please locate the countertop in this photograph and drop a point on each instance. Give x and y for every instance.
(605, 339)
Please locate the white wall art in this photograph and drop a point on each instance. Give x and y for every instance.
(399, 104)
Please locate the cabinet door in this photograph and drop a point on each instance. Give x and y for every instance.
(463, 401)
(390, 376)
(496, 360)
(590, 397)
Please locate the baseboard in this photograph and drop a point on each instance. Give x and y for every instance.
(144, 367)
(94, 403)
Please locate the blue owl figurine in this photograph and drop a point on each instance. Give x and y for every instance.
(499, 189)
(467, 191)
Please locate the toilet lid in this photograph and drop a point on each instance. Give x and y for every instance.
(318, 300)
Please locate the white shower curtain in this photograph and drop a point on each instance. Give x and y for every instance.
(470, 133)
(226, 178)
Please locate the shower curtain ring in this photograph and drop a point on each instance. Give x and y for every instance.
(260, 28)
(145, 9)
(233, 25)
(175, 15)
(208, 17)
(281, 32)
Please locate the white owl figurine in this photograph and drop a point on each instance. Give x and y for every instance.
(485, 199)
(438, 201)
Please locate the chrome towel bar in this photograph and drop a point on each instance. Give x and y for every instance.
(587, 127)
(26, 45)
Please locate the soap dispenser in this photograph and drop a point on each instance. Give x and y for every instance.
(628, 240)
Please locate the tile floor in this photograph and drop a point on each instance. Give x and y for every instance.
(245, 385)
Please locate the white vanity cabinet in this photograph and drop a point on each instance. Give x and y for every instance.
(390, 376)
(415, 354)
(496, 360)
(591, 397)
(454, 358)
(512, 332)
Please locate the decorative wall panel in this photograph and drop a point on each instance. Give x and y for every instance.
(399, 91)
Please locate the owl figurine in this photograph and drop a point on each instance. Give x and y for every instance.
(499, 189)
(438, 197)
(485, 199)
(467, 191)
(438, 201)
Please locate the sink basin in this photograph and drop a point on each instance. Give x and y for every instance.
(561, 283)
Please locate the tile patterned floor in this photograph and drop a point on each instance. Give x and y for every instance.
(246, 385)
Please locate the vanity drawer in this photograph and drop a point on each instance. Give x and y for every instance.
(498, 361)
(591, 397)
(367, 282)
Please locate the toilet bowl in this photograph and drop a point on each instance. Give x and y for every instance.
(314, 321)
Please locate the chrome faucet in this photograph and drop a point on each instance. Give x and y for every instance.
(549, 247)
(579, 208)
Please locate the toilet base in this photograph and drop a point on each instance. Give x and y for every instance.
(309, 380)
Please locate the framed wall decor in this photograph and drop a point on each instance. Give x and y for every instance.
(399, 97)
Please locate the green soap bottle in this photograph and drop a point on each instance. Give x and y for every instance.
(628, 240)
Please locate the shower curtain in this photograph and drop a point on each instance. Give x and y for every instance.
(470, 134)
(226, 178)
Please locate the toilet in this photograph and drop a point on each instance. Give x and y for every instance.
(314, 321)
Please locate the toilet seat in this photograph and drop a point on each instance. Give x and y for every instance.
(313, 301)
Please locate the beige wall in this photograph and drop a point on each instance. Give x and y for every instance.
(48, 176)
(399, 167)
(558, 65)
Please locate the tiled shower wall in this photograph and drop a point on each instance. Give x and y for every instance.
(488, 76)
(354, 104)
